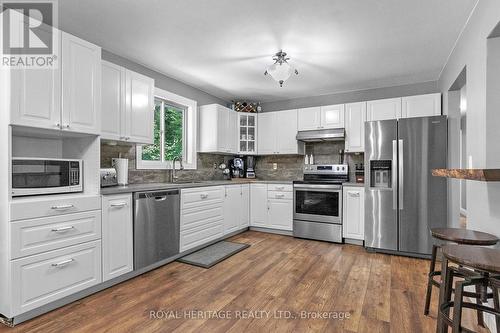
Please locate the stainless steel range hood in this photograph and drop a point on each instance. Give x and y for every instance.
(335, 134)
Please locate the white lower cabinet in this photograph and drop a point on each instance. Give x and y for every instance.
(245, 206)
(43, 278)
(232, 207)
(117, 236)
(353, 212)
(271, 208)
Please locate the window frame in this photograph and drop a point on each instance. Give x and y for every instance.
(189, 140)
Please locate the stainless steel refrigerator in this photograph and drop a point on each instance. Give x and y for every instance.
(403, 201)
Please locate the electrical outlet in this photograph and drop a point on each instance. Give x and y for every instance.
(215, 166)
(275, 166)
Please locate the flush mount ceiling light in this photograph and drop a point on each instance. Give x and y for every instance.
(281, 70)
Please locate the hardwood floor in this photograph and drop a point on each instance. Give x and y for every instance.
(381, 293)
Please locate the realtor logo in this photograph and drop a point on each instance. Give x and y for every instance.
(29, 33)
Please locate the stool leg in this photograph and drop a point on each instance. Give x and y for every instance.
(496, 303)
(480, 318)
(444, 295)
(428, 295)
(457, 306)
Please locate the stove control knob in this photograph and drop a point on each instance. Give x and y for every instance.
(338, 168)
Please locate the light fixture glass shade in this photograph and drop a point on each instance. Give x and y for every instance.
(280, 72)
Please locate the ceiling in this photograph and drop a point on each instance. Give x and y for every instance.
(224, 46)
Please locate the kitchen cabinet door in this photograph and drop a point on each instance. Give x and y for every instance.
(309, 119)
(383, 109)
(258, 205)
(280, 214)
(232, 132)
(354, 212)
(267, 134)
(245, 206)
(36, 98)
(117, 235)
(421, 105)
(285, 129)
(81, 85)
(332, 116)
(232, 205)
(355, 117)
(139, 108)
(112, 100)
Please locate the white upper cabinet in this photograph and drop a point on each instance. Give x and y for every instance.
(218, 129)
(332, 116)
(81, 85)
(36, 98)
(112, 100)
(383, 109)
(353, 214)
(139, 105)
(127, 105)
(355, 117)
(247, 133)
(267, 134)
(421, 105)
(277, 133)
(321, 117)
(309, 119)
(67, 98)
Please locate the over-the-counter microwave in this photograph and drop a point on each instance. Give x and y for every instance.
(37, 176)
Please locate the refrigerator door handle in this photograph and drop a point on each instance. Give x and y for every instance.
(400, 173)
(394, 180)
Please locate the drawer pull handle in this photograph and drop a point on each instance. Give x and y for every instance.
(62, 207)
(119, 204)
(63, 229)
(63, 263)
(280, 188)
(280, 195)
(354, 194)
(203, 196)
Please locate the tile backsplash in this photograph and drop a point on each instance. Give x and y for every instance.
(289, 167)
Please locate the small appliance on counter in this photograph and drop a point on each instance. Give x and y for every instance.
(360, 173)
(39, 176)
(108, 177)
(237, 167)
(250, 172)
(121, 166)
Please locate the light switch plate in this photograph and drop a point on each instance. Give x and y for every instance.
(275, 166)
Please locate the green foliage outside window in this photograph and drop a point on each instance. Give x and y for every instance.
(173, 134)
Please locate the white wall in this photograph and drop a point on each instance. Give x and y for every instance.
(483, 209)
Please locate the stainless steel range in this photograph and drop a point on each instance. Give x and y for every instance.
(318, 202)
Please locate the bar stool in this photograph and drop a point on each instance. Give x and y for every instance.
(458, 236)
(486, 263)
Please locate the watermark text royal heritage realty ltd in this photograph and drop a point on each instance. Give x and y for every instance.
(247, 314)
(29, 37)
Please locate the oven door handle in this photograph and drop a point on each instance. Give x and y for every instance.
(317, 187)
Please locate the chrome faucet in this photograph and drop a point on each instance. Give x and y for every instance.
(173, 176)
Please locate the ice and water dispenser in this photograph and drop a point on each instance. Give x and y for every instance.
(380, 173)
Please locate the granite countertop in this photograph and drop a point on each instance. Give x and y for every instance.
(486, 175)
(165, 186)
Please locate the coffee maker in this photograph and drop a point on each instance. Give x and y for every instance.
(250, 172)
(237, 168)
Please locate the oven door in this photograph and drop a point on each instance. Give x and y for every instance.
(318, 203)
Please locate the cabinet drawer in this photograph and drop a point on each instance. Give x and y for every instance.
(201, 196)
(280, 187)
(50, 233)
(194, 218)
(201, 235)
(23, 209)
(280, 195)
(44, 278)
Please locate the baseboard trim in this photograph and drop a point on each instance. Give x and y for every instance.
(273, 231)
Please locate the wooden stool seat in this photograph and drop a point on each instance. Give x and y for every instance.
(464, 236)
(478, 258)
(485, 265)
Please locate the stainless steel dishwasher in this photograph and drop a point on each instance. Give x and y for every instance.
(156, 226)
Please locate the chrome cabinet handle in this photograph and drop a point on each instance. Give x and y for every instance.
(58, 125)
(63, 263)
(280, 196)
(119, 204)
(280, 188)
(203, 196)
(394, 175)
(355, 195)
(63, 229)
(67, 126)
(62, 207)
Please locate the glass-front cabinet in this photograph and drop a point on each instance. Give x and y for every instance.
(247, 133)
